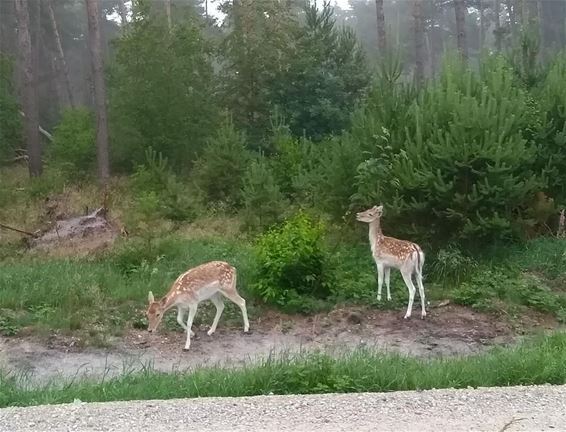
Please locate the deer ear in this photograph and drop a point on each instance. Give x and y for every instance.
(150, 298)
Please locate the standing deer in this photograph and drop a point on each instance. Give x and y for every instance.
(389, 252)
(209, 281)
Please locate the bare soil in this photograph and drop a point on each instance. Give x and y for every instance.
(447, 331)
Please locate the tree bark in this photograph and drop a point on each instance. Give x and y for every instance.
(381, 35)
(497, 30)
(123, 12)
(512, 19)
(61, 63)
(29, 94)
(482, 24)
(95, 47)
(419, 33)
(168, 12)
(460, 12)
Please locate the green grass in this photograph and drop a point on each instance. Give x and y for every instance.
(538, 361)
(107, 291)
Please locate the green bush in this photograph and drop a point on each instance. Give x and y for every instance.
(74, 143)
(451, 267)
(456, 164)
(263, 202)
(219, 171)
(158, 191)
(291, 262)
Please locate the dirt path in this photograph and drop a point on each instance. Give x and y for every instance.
(448, 331)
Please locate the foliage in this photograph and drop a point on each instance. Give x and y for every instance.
(550, 152)
(159, 192)
(73, 149)
(325, 78)
(451, 267)
(219, 170)
(352, 372)
(263, 202)
(260, 44)
(10, 122)
(291, 262)
(461, 164)
(161, 89)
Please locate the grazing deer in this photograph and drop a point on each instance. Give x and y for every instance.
(209, 281)
(389, 252)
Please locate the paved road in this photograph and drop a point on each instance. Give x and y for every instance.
(538, 409)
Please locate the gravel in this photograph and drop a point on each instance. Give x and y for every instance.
(538, 408)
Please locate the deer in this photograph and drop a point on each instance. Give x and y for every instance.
(209, 281)
(388, 253)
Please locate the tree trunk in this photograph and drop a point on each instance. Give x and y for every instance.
(61, 63)
(168, 12)
(512, 19)
(123, 12)
(460, 11)
(95, 47)
(482, 24)
(29, 94)
(381, 36)
(497, 31)
(419, 32)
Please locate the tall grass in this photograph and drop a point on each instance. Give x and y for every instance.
(70, 294)
(538, 361)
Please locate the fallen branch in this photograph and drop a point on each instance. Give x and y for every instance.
(41, 130)
(17, 230)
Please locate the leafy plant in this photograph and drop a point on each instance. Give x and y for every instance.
(219, 170)
(73, 149)
(263, 202)
(291, 262)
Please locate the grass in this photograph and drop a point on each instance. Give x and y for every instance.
(105, 292)
(538, 361)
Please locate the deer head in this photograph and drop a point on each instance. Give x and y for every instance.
(154, 313)
(370, 215)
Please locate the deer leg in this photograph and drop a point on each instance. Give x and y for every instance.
(217, 300)
(380, 271)
(192, 313)
(407, 278)
(421, 294)
(387, 278)
(241, 302)
(180, 319)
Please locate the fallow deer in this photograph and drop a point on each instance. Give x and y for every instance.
(209, 281)
(389, 252)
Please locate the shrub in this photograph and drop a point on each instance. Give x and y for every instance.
(459, 162)
(451, 267)
(73, 149)
(263, 202)
(291, 262)
(218, 172)
(159, 192)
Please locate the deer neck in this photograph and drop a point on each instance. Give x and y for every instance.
(375, 234)
(167, 302)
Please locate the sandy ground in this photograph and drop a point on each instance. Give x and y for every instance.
(446, 331)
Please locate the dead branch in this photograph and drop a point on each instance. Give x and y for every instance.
(41, 130)
(17, 230)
